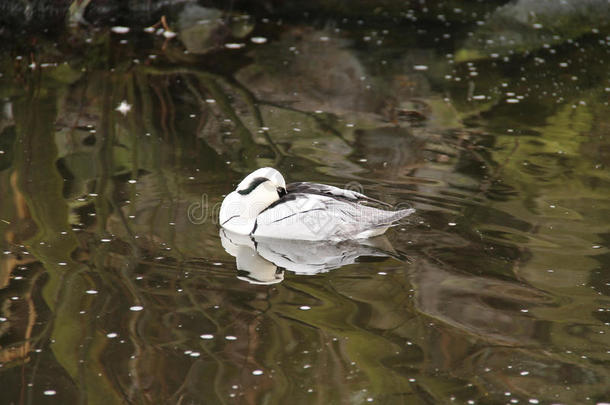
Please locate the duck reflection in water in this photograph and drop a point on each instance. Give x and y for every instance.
(264, 260)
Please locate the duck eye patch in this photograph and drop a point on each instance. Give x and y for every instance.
(253, 184)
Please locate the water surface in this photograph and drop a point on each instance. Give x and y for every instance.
(117, 147)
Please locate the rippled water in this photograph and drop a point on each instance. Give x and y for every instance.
(117, 147)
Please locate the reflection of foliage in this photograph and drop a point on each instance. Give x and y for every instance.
(527, 25)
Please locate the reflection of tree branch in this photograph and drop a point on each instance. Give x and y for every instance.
(210, 81)
(171, 110)
(192, 287)
(500, 167)
(146, 105)
(219, 375)
(252, 102)
(224, 104)
(249, 98)
(163, 109)
(324, 126)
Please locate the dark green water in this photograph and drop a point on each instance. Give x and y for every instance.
(491, 122)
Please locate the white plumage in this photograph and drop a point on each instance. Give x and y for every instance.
(262, 205)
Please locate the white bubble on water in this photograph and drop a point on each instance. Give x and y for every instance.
(120, 30)
(258, 40)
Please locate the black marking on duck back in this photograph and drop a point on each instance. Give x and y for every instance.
(337, 194)
(285, 198)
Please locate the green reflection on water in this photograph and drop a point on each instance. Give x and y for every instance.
(115, 286)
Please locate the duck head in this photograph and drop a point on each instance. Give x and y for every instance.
(256, 192)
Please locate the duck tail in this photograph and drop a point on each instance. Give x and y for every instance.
(397, 215)
(386, 220)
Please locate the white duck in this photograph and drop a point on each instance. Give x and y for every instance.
(262, 205)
